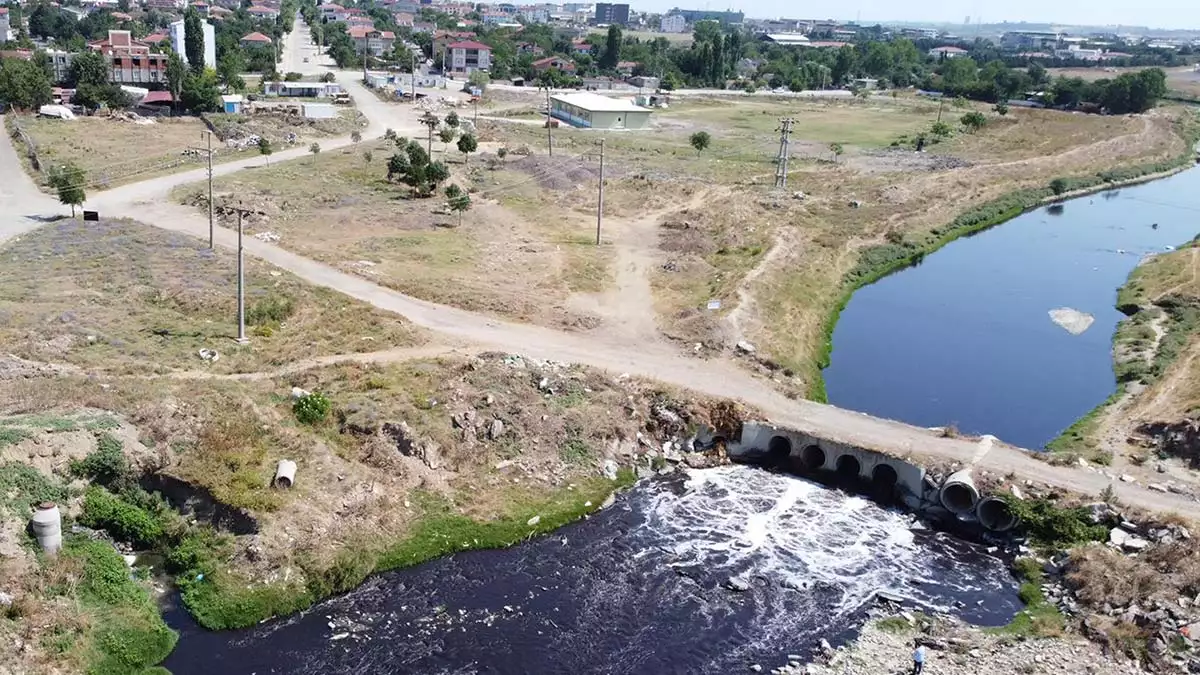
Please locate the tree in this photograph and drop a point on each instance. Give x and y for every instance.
(466, 145)
(458, 201)
(412, 167)
(612, 49)
(315, 148)
(193, 40)
(265, 149)
(479, 79)
(446, 135)
(700, 141)
(68, 181)
(368, 156)
(1058, 186)
(452, 120)
(89, 68)
(176, 74)
(356, 137)
(24, 85)
(1001, 108)
(837, 150)
(431, 121)
(229, 70)
(973, 121)
(200, 93)
(502, 153)
(940, 129)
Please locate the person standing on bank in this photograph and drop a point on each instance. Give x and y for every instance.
(918, 658)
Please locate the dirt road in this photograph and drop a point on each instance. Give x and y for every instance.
(147, 201)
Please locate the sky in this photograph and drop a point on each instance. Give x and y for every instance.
(1171, 14)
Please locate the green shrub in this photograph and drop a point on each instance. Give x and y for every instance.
(12, 436)
(104, 465)
(311, 408)
(273, 309)
(1051, 526)
(1058, 186)
(128, 522)
(22, 486)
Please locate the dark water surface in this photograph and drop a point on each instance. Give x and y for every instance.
(638, 588)
(965, 338)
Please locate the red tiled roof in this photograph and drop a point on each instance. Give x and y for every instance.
(23, 54)
(122, 16)
(154, 38)
(549, 61)
(950, 49)
(469, 45)
(256, 37)
(158, 97)
(330, 6)
(3, 10)
(259, 9)
(360, 32)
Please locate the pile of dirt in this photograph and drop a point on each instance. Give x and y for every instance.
(901, 160)
(561, 173)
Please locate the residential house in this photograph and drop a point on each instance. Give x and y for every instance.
(156, 39)
(468, 57)
(406, 7)
(219, 13)
(444, 38)
(404, 19)
(579, 47)
(60, 63)
(529, 48)
(122, 16)
(5, 25)
(330, 11)
(626, 67)
(130, 61)
(210, 42)
(360, 21)
(371, 41)
(424, 27)
(162, 5)
(200, 6)
(672, 24)
(556, 62)
(263, 12)
(255, 39)
(947, 52)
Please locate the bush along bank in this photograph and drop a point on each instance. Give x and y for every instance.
(906, 250)
(221, 598)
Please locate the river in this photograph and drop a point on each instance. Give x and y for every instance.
(641, 587)
(965, 338)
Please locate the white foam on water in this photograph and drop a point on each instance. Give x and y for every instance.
(749, 523)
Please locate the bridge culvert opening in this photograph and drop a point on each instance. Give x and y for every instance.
(812, 458)
(848, 467)
(996, 515)
(959, 498)
(884, 476)
(779, 449)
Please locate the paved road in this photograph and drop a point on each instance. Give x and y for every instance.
(147, 201)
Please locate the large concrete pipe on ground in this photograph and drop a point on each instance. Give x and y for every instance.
(958, 493)
(884, 476)
(995, 514)
(285, 474)
(47, 527)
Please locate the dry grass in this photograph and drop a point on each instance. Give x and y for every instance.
(1184, 81)
(113, 152)
(128, 298)
(520, 259)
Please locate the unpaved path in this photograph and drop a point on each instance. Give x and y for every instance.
(25, 207)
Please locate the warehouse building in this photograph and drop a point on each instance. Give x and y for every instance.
(593, 111)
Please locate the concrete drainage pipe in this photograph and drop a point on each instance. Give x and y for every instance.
(995, 515)
(958, 493)
(812, 458)
(285, 474)
(848, 467)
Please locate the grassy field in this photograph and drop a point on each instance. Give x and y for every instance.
(128, 298)
(504, 259)
(1183, 81)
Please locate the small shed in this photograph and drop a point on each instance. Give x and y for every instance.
(319, 111)
(588, 110)
(232, 104)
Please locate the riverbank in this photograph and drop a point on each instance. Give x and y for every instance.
(903, 251)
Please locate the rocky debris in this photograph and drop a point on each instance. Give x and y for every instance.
(360, 419)
(1125, 541)
(745, 347)
(210, 355)
(298, 393)
(268, 237)
(1071, 320)
(16, 368)
(739, 584)
(610, 469)
(1177, 439)
(496, 429)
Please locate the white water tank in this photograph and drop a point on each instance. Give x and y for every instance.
(47, 527)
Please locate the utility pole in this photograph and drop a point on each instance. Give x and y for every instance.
(549, 127)
(414, 79)
(209, 151)
(941, 104)
(476, 121)
(241, 285)
(781, 162)
(600, 199)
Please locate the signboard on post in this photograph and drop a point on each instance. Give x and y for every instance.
(91, 215)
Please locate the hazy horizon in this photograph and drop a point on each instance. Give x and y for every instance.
(1163, 14)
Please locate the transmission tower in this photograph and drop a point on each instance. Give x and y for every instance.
(781, 163)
